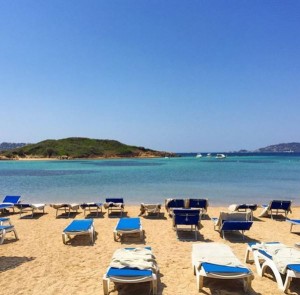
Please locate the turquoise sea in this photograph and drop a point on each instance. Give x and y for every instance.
(253, 178)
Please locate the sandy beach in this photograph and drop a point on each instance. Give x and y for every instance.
(39, 263)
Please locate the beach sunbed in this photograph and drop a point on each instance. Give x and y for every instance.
(130, 266)
(128, 226)
(276, 207)
(79, 227)
(4, 229)
(243, 208)
(30, 208)
(67, 208)
(201, 204)
(150, 209)
(114, 205)
(293, 222)
(4, 220)
(284, 261)
(92, 208)
(186, 217)
(216, 260)
(9, 202)
(171, 204)
(233, 221)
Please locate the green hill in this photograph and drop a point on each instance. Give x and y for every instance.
(76, 147)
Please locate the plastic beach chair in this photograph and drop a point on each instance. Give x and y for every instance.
(4, 229)
(79, 227)
(211, 260)
(30, 208)
(114, 205)
(233, 221)
(264, 259)
(130, 275)
(128, 226)
(171, 204)
(66, 207)
(92, 208)
(276, 207)
(9, 202)
(201, 204)
(186, 217)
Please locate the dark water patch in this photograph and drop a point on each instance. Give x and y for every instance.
(42, 173)
(123, 163)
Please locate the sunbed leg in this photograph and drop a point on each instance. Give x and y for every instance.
(16, 235)
(154, 286)
(287, 283)
(247, 259)
(291, 227)
(105, 285)
(2, 236)
(200, 282)
(64, 238)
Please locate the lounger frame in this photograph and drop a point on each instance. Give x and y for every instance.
(118, 234)
(69, 234)
(263, 261)
(92, 208)
(4, 229)
(111, 209)
(129, 280)
(24, 208)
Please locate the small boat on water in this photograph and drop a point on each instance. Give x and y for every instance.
(208, 155)
(198, 156)
(220, 156)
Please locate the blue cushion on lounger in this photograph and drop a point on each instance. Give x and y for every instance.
(254, 243)
(128, 223)
(6, 227)
(12, 199)
(265, 253)
(210, 267)
(294, 267)
(128, 272)
(4, 206)
(79, 225)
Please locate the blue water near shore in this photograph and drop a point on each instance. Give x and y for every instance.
(252, 178)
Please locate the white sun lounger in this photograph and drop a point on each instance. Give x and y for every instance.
(4, 229)
(30, 208)
(217, 261)
(131, 275)
(264, 259)
(65, 207)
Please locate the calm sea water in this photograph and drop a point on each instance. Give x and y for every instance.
(253, 178)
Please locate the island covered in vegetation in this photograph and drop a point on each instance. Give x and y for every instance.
(78, 148)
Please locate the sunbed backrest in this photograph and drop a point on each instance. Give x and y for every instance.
(280, 205)
(114, 200)
(12, 199)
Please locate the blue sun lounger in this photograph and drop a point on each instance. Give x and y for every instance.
(232, 221)
(79, 227)
(114, 205)
(9, 202)
(129, 275)
(293, 222)
(128, 226)
(186, 217)
(4, 220)
(171, 204)
(4, 229)
(201, 204)
(276, 207)
(207, 262)
(263, 259)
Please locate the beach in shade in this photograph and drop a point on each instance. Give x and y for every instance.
(39, 262)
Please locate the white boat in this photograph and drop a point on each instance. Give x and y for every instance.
(220, 156)
(208, 155)
(198, 156)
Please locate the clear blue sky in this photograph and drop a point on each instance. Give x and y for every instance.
(169, 75)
